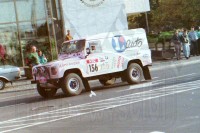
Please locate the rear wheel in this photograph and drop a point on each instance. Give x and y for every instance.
(2, 84)
(134, 73)
(72, 84)
(46, 92)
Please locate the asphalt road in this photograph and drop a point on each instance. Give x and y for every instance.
(170, 103)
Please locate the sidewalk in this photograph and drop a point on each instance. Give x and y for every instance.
(165, 63)
(25, 85)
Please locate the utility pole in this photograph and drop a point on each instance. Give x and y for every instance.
(50, 23)
(147, 23)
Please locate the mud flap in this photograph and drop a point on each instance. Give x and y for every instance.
(146, 73)
(86, 84)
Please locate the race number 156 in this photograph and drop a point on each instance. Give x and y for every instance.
(93, 67)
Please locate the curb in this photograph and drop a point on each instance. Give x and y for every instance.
(174, 63)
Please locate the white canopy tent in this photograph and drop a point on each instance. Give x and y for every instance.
(85, 18)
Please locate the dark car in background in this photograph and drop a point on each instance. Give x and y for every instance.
(8, 73)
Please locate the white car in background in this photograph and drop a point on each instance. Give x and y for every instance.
(8, 73)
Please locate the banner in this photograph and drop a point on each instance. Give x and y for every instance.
(137, 6)
(85, 17)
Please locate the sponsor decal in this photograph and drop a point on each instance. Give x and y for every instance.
(92, 3)
(119, 43)
(103, 59)
(134, 43)
(69, 64)
(120, 62)
(146, 56)
(104, 66)
(92, 61)
(114, 62)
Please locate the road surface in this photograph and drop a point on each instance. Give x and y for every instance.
(169, 103)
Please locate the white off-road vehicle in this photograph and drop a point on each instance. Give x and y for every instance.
(106, 56)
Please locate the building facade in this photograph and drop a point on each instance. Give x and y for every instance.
(29, 21)
(44, 23)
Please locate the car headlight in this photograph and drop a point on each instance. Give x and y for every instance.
(34, 71)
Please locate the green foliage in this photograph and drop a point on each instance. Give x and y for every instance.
(167, 15)
(166, 34)
(152, 39)
(54, 52)
(162, 37)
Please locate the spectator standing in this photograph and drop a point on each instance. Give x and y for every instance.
(193, 41)
(32, 57)
(186, 45)
(177, 43)
(68, 36)
(2, 54)
(198, 41)
(42, 57)
(181, 31)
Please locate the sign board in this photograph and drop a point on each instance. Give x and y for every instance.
(137, 6)
(86, 17)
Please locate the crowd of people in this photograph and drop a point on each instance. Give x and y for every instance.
(36, 57)
(188, 40)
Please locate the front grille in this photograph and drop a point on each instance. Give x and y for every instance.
(41, 72)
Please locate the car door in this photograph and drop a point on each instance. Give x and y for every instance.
(96, 60)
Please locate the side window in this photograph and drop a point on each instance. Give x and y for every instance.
(95, 47)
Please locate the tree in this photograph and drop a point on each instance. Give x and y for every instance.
(169, 15)
(138, 20)
(175, 14)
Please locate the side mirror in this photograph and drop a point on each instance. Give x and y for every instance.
(87, 52)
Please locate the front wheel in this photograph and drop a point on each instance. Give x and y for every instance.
(72, 84)
(2, 84)
(134, 73)
(46, 92)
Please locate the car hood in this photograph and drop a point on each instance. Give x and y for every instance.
(60, 62)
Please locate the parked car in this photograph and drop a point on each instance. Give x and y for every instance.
(8, 73)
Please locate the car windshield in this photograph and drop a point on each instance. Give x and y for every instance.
(72, 47)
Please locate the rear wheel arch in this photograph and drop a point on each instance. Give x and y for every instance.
(139, 62)
(4, 79)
